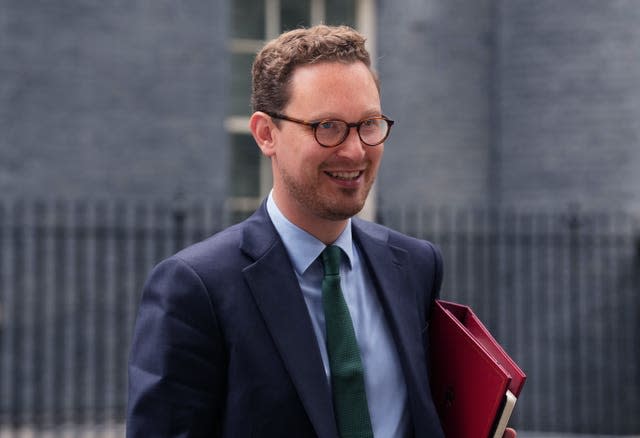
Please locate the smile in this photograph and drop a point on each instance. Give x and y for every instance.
(347, 176)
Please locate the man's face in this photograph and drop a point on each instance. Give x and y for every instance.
(314, 182)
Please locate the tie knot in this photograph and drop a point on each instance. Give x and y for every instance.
(331, 260)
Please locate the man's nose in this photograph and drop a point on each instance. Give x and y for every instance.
(352, 147)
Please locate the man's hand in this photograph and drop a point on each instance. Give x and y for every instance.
(509, 433)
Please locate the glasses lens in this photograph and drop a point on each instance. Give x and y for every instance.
(331, 132)
(373, 131)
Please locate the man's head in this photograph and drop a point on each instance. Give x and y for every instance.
(274, 64)
(318, 118)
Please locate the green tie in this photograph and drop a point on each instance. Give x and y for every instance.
(347, 376)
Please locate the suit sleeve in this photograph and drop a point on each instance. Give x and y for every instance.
(176, 363)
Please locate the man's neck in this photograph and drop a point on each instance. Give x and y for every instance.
(325, 230)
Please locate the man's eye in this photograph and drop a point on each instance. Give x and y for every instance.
(327, 125)
(371, 125)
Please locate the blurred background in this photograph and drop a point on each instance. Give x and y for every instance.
(124, 137)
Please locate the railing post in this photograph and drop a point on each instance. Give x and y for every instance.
(179, 212)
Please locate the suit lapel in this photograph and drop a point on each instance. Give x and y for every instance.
(278, 296)
(389, 265)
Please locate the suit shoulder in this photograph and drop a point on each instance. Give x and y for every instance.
(219, 252)
(422, 259)
(221, 242)
(414, 246)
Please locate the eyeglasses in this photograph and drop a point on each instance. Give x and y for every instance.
(330, 133)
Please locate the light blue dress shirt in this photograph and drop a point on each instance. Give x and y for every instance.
(384, 380)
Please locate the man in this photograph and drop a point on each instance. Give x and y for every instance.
(236, 336)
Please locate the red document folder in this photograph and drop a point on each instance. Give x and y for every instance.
(474, 382)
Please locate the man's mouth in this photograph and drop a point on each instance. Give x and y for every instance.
(345, 176)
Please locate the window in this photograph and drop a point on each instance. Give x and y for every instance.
(253, 23)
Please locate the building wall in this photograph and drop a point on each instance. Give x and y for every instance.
(512, 103)
(435, 60)
(570, 103)
(113, 99)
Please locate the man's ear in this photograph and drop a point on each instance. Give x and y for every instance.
(263, 131)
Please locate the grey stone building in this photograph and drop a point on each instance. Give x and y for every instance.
(496, 102)
(113, 99)
(517, 103)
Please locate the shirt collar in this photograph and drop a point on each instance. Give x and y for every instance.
(302, 247)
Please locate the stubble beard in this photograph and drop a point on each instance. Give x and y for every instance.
(321, 205)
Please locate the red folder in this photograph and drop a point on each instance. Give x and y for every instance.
(473, 381)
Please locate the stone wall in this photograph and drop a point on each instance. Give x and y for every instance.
(113, 99)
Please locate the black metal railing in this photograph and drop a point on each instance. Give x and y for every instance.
(559, 290)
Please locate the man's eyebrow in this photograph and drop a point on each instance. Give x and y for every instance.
(333, 116)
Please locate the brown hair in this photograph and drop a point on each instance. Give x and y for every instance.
(274, 64)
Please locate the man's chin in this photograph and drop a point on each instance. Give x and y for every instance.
(331, 205)
(342, 212)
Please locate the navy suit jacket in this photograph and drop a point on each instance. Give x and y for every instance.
(223, 343)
